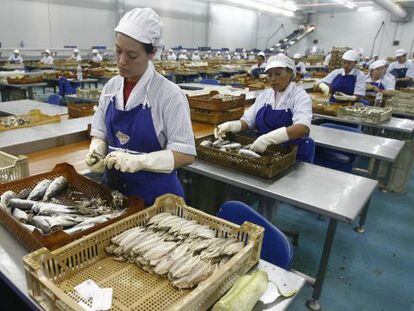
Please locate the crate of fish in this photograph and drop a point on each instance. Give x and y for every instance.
(24, 79)
(234, 153)
(216, 117)
(55, 208)
(34, 117)
(167, 257)
(402, 105)
(216, 101)
(79, 110)
(12, 167)
(366, 114)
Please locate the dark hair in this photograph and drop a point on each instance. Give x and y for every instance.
(148, 47)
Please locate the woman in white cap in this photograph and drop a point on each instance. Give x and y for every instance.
(207, 55)
(47, 58)
(183, 55)
(75, 56)
(171, 56)
(141, 131)
(227, 56)
(376, 80)
(236, 56)
(257, 69)
(195, 57)
(16, 58)
(300, 66)
(346, 83)
(96, 57)
(281, 114)
(402, 70)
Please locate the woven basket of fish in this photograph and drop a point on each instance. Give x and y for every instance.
(167, 257)
(366, 114)
(25, 79)
(12, 167)
(55, 208)
(34, 117)
(400, 104)
(79, 110)
(216, 117)
(216, 101)
(234, 153)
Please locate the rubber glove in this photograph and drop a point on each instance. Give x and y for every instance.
(272, 138)
(324, 88)
(231, 126)
(96, 155)
(339, 96)
(158, 161)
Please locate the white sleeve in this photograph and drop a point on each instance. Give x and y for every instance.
(177, 124)
(330, 77)
(249, 115)
(360, 84)
(302, 109)
(98, 128)
(390, 68)
(10, 58)
(389, 82)
(410, 70)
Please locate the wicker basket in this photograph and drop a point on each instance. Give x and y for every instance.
(267, 166)
(25, 80)
(400, 104)
(213, 117)
(34, 240)
(35, 117)
(51, 276)
(12, 168)
(366, 114)
(207, 102)
(76, 110)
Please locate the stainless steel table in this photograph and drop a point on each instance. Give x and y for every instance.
(27, 87)
(24, 106)
(75, 98)
(334, 194)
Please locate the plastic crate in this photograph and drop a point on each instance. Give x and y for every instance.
(12, 167)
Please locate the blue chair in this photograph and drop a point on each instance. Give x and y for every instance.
(276, 247)
(337, 160)
(210, 81)
(65, 87)
(55, 99)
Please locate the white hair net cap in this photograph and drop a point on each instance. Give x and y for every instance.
(16, 51)
(47, 51)
(400, 52)
(95, 51)
(75, 50)
(281, 60)
(377, 64)
(350, 55)
(143, 25)
(261, 54)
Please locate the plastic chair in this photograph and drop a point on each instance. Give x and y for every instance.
(210, 81)
(337, 160)
(276, 247)
(65, 87)
(55, 99)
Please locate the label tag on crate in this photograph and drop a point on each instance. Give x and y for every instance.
(87, 289)
(102, 299)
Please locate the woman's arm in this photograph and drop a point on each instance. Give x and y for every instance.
(182, 159)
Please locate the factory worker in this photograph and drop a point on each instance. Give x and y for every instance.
(257, 69)
(281, 114)
(365, 63)
(219, 55)
(207, 55)
(227, 56)
(402, 70)
(327, 59)
(183, 55)
(300, 66)
(96, 57)
(16, 58)
(171, 55)
(236, 56)
(75, 56)
(346, 83)
(195, 57)
(141, 131)
(47, 58)
(251, 57)
(244, 54)
(377, 79)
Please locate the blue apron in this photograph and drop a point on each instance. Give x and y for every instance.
(268, 120)
(134, 131)
(344, 84)
(257, 72)
(399, 73)
(378, 85)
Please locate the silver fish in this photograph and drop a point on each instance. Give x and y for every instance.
(24, 205)
(48, 209)
(20, 215)
(55, 187)
(42, 223)
(165, 264)
(39, 190)
(198, 273)
(5, 199)
(219, 143)
(23, 194)
(231, 146)
(29, 227)
(249, 153)
(117, 199)
(206, 143)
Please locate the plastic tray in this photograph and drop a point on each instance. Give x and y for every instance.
(213, 117)
(207, 102)
(36, 117)
(12, 168)
(51, 276)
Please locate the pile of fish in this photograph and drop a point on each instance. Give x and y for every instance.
(364, 110)
(13, 121)
(53, 205)
(224, 97)
(182, 250)
(229, 146)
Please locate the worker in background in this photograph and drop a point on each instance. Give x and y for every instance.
(244, 54)
(402, 70)
(282, 114)
(96, 57)
(141, 131)
(16, 58)
(195, 57)
(327, 59)
(236, 56)
(219, 55)
(300, 66)
(207, 55)
(75, 56)
(257, 69)
(171, 56)
(346, 83)
(377, 80)
(183, 55)
(227, 56)
(365, 63)
(251, 57)
(47, 58)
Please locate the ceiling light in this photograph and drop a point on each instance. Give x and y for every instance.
(264, 7)
(365, 9)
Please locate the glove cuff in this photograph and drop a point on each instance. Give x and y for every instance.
(159, 161)
(278, 136)
(235, 126)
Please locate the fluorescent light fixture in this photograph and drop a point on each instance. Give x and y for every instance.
(275, 7)
(365, 9)
(347, 4)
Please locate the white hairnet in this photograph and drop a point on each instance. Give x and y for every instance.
(281, 60)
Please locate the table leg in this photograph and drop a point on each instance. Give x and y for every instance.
(313, 303)
(30, 92)
(362, 217)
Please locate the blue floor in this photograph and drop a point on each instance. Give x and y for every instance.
(370, 271)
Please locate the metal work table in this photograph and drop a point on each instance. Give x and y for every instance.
(24, 106)
(75, 98)
(41, 137)
(336, 195)
(27, 87)
(55, 82)
(13, 274)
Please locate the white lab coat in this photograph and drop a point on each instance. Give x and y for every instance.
(77, 58)
(236, 57)
(255, 66)
(387, 81)
(15, 59)
(182, 57)
(171, 57)
(407, 64)
(97, 58)
(251, 57)
(195, 58)
(360, 83)
(47, 60)
(302, 68)
(227, 57)
(327, 59)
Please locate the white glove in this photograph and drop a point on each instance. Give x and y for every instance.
(231, 126)
(272, 138)
(263, 76)
(96, 155)
(339, 96)
(324, 88)
(158, 161)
